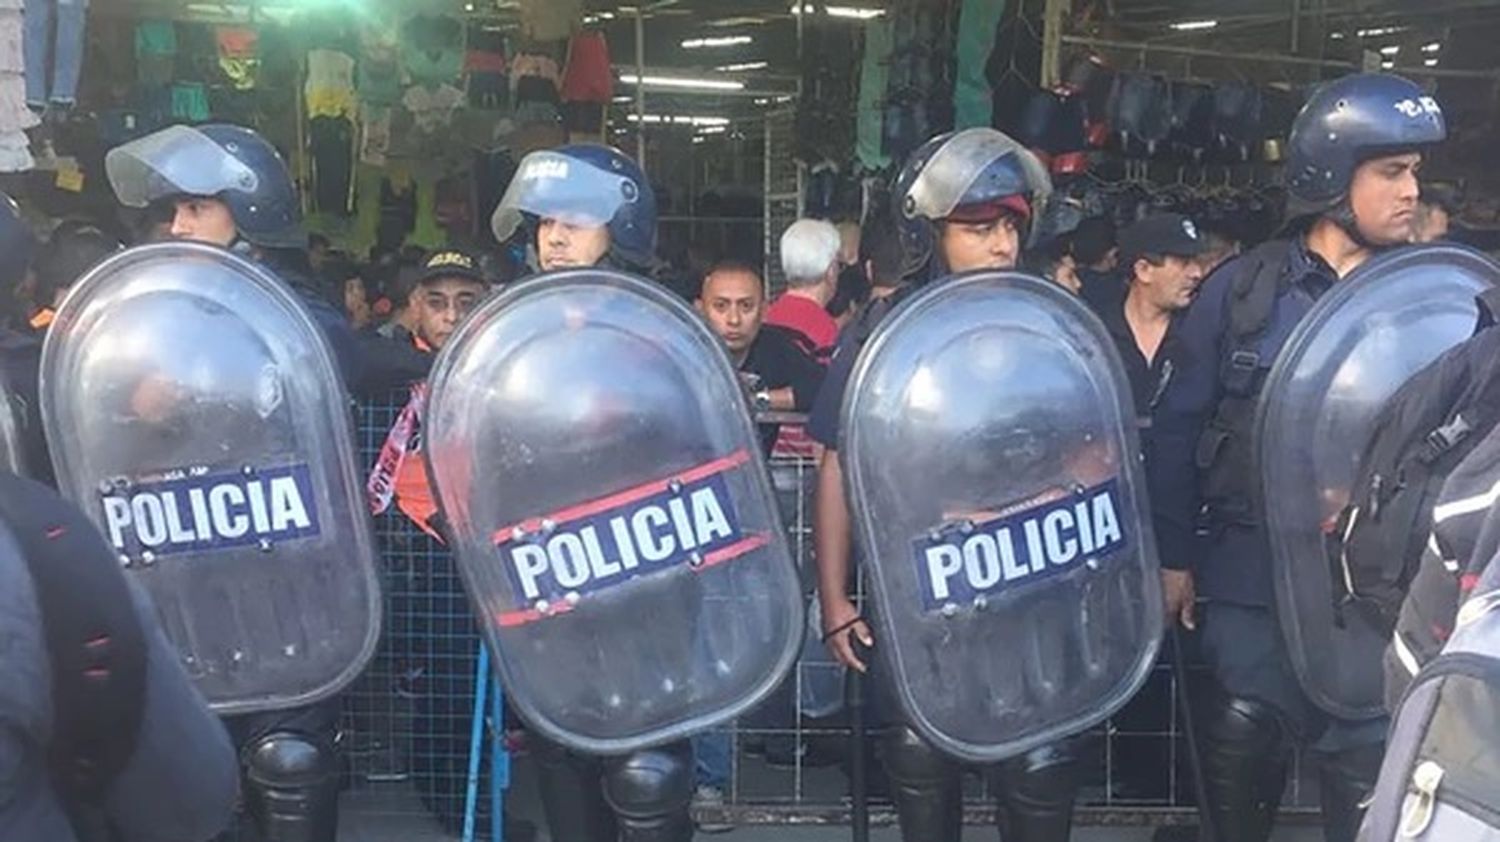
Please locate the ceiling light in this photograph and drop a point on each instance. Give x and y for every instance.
(735, 21)
(853, 12)
(1379, 31)
(1432, 48)
(1387, 65)
(680, 82)
(1390, 50)
(717, 41)
(743, 66)
(1431, 62)
(1337, 36)
(1191, 25)
(680, 119)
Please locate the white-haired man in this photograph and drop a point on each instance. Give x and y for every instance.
(810, 262)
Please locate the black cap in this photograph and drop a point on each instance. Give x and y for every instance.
(1170, 234)
(451, 263)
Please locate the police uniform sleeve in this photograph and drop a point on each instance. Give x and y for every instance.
(823, 421)
(1185, 408)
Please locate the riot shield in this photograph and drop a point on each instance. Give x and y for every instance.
(12, 429)
(613, 520)
(991, 461)
(1359, 343)
(195, 412)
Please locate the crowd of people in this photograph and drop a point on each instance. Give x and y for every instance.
(1165, 289)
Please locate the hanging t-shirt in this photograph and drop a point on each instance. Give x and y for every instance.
(329, 91)
(432, 108)
(432, 49)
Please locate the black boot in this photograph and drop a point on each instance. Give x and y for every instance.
(1247, 753)
(1037, 791)
(292, 787)
(651, 792)
(925, 787)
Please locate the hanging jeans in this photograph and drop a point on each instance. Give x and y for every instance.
(54, 50)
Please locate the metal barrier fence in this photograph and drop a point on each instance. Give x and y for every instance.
(407, 720)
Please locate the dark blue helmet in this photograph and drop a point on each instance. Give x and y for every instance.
(963, 175)
(230, 163)
(589, 185)
(1349, 121)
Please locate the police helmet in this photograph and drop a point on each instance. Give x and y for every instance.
(230, 163)
(1349, 121)
(958, 174)
(589, 185)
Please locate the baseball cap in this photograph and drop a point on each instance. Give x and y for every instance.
(451, 263)
(1163, 233)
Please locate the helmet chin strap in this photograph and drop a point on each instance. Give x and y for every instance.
(1342, 215)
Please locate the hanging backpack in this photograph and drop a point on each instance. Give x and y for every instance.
(1442, 764)
(1427, 428)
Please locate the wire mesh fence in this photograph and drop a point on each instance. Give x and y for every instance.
(407, 720)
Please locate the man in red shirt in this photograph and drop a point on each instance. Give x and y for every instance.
(810, 262)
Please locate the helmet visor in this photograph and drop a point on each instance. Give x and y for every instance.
(961, 173)
(554, 186)
(174, 161)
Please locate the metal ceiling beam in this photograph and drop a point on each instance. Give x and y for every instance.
(1264, 58)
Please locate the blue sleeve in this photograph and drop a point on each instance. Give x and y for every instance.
(341, 339)
(823, 422)
(1185, 408)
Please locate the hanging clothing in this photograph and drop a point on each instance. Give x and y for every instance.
(15, 153)
(432, 108)
(54, 50)
(237, 41)
(329, 91)
(375, 135)
(549, 20)
(331, 148)
(14, 115)
(486, 65)
(432, 49)
(527, 65)
(873, 77)
(190, 102)
(973, 101)
(12, 46)
(587, 76)
(239, 57)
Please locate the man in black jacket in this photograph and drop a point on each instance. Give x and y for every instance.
(778, 375)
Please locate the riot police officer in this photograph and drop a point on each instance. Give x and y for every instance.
(228, 186)
(1352, 182)
(964, 214)
(580, 206)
